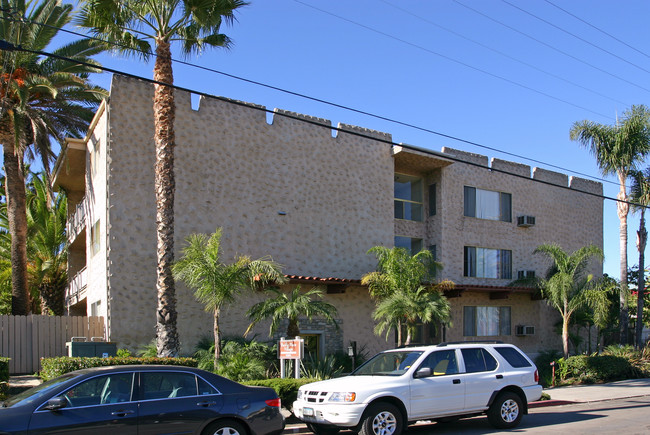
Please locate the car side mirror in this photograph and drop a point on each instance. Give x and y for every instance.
(56, 403)
(423, 373)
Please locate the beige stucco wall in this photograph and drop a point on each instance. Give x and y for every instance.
(315, 203)
(236, 171)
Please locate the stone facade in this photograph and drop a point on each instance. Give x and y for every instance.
(315, 200)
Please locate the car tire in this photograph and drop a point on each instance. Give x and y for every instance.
(506, 411)
(320, 429)
(225, 427)
(381, 419)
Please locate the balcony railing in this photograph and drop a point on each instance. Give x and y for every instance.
(77, 220)
(76, 290)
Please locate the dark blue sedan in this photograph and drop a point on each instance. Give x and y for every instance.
(142, 400)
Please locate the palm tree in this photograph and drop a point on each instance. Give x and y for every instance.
(47, 244)
(291, 306)
(567, 288)
(216, 283)
(404, 290)
(618, 150)
(131, 25)
(40, 98)
(640, 196)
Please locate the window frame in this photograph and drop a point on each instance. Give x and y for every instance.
(410, 203)
(471, 268)
(412, 241)
(470, 200)
(471, 328)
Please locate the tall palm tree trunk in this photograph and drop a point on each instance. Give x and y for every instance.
(217, 336)
(164, 114)
(623, 209)
(642, 237)
(17, 217)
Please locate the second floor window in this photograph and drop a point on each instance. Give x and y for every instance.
(487, 263)
(408, 198)
(487, 204)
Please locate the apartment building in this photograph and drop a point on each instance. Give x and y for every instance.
(315, 198)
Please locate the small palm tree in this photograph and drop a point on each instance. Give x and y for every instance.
(216, 284)
(618, 150)
(403, 286)
(40, 98)
(640, 196)
(567, 288)
(47, 245)
(132, 25)
(291, 306)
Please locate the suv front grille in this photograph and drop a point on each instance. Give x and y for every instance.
(315, 396)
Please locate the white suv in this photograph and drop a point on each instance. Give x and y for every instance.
(442, 382)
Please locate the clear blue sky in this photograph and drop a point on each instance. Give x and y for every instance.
(486, 71)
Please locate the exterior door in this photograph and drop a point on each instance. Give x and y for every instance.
(441, 393)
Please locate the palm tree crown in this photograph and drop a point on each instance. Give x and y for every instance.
(291, 306)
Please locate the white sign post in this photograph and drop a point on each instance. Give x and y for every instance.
(291, 350)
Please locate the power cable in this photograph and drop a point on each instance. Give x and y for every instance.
(550, 46)
(451, 59)
(361, 112)
(575, 36)
(507, 56)
(598, 29)
(4, 45)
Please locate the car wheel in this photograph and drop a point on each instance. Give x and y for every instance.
(225, 427)
(381, 419)
(320, 429)
(506, 411)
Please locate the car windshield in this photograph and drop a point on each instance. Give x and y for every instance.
(35, 393)
(388, 364)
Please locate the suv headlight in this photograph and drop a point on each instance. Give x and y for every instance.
(299, 394)
(343, 397)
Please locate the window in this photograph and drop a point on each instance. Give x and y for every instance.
(410, 244)
(478, 360)
(487, 263)
(408, 198)
(161, 385)
(95, 307)
(486, 321)
(312, 345)
(513, 356)
(94, 238)
(432, 199)
(487, 204)
(441, 363)
(434, 251)
(114, 388)
(425, 333)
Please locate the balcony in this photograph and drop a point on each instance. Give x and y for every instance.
(77, 220)
(76, 290)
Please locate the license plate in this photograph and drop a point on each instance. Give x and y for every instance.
(308, 412)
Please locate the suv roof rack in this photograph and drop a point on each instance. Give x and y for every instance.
(447, 343)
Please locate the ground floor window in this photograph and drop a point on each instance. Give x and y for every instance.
(425, 333)
(486, 321)
(312, 346)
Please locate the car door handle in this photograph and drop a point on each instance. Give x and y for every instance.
(122, 413)
(206, 404)
(456, 381)
(499, 376)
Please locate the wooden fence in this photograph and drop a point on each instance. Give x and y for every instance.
(26, 339)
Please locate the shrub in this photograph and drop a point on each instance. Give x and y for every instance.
(53, 367)
(4, 390)
(240, 359)
(543, 363)
(320, 369)
(597, 368)
(4, 369)
(287, 388)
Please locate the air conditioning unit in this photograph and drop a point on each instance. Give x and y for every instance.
(523, 274)
(525, 221)
(524, 330)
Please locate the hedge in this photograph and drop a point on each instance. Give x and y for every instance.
(4, 390)
(596, 368)
(4, 369)
(53, 367)
(286, 388)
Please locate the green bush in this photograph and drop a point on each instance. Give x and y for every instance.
(4, 369)
(597, 368)
(286, 388)
(53, 367)
(544, 368)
